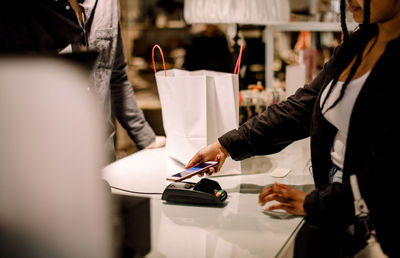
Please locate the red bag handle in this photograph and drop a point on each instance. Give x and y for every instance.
(237, 66)
(162, 56)
(239, 60)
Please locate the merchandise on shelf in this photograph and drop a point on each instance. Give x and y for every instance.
(256, 99)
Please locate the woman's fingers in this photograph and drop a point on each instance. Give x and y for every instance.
(280, 206)
(264, 192)
(218, 167)
(270, 194)
(275, 188)
(210, 171)
(282, 186)
(290, 199)
(287, 192)
(221, 159)
(272, 197)
(197, 158)
(205, 154)
(276, 192)
(213, 152)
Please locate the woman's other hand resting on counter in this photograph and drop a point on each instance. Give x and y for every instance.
(289, 198)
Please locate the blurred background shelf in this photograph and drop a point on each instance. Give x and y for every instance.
(290, 27)
(309, 26)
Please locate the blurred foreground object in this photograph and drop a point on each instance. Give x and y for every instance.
(52, 201)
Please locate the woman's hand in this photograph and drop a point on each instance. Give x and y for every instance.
(289, 198)
(212, 152)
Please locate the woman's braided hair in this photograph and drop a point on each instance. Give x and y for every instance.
(367, 31)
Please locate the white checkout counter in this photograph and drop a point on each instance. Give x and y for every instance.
(239, 229)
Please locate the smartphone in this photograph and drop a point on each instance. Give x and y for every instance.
(202, 167)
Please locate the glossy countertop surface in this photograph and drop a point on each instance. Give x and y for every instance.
(239, 229)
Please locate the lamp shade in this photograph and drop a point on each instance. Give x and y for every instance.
(259, 12)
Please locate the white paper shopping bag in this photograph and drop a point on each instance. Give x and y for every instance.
(197, 107)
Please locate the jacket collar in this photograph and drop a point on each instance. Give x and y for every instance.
(89, 6)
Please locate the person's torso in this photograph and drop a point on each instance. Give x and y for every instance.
(50, 27)
(366, 117)
(339, 115)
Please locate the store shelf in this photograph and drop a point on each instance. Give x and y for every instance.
(309, 26)
(293, 26)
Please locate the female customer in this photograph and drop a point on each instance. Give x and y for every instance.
(351, 112)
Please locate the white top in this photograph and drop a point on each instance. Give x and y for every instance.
(339, 116)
